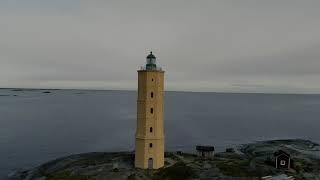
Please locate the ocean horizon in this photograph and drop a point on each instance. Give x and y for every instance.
(38, 125)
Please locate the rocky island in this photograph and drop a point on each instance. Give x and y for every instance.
(248, 161)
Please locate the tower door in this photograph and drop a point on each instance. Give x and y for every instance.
(150, 163)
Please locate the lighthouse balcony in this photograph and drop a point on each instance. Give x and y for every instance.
(151, 68)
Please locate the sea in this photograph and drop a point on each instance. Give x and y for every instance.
(38, 125)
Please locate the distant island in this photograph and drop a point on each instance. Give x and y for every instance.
(248, 161)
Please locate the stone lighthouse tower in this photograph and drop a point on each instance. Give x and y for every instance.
(149, 152)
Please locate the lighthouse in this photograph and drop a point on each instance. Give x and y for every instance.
(149, 142)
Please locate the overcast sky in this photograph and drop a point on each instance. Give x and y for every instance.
(205, 45)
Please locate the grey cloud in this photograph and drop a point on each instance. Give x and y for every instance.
(202, 45)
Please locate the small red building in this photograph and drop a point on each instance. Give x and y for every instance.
(282, 160)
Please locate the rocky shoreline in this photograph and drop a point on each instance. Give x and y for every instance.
(249, 161)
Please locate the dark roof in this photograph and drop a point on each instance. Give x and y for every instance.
(205, 148)
(280, 152)
(151, 56)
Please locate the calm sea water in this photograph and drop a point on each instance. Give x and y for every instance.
(36, 127)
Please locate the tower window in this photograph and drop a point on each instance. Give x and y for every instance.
(150, 145)
(151, 94)
(152, 79)
(151, 110)
(151, 129)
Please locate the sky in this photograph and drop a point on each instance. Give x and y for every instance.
(207, 45)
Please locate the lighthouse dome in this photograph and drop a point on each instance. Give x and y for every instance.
(151, 56)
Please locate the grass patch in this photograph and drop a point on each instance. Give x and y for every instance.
(178, 171)
(235, 168)
(66, 175)
(131, 177)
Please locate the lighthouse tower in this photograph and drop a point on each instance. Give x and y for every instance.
(149, 152)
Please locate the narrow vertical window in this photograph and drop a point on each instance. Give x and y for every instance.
(150, 145)
(151, 129)
(152, 79)
(151, 95)
(151, 110)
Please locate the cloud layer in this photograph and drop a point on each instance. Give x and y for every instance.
(237, 46)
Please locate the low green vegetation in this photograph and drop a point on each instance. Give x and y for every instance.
(176, 172)
(66, 175)
(235, 168)
(131, 177)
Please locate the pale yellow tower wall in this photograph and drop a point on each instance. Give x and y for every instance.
(150, 81)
